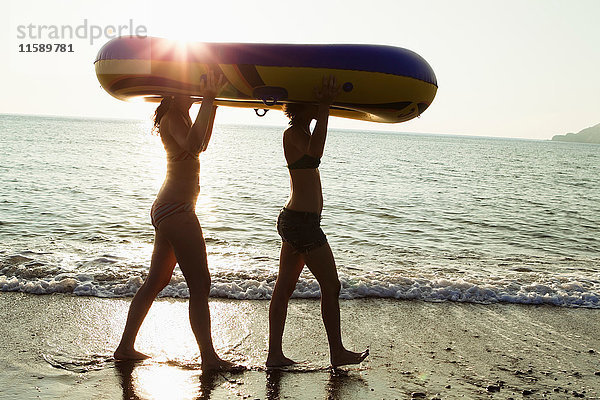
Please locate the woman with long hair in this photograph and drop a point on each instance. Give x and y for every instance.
(178, 235)
(298, 224)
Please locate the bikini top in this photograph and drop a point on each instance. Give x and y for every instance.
(184, 155)
(305, 162)
(174, 151)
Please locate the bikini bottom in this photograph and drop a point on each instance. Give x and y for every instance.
(160, 211)
(302, 230)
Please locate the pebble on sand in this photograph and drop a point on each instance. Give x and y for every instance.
(493, 388)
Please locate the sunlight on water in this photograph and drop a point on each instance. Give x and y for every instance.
(167, 331)
(167, 335)
(163, 382)
(206, 205)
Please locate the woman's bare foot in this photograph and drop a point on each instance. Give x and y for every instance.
(347, 357)
(221, 365)
(129, 354)
(279, 361)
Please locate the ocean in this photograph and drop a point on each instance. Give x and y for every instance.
(408, 216)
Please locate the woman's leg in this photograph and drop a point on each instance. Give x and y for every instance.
(161, 269)
(321, 263)
(185, 235)
(290, 267)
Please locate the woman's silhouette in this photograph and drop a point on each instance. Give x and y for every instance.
(178, 235)
(298, 224)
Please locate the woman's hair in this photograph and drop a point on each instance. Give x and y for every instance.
(161, 110)
(291, 110)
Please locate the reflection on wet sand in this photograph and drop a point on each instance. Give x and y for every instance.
(143, 380)
(207, 384)
(140, 381)
(273, 383)
(124, 371)
(340, 382)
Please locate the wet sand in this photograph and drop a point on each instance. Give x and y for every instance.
(59, 346)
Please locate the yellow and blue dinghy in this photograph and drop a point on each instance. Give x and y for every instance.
(379, 83)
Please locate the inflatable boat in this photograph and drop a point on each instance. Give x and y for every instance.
(379, 83)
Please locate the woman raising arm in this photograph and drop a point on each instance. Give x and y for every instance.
(178, 235)
(298, 224)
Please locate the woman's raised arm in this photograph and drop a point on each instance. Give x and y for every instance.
(194, 139)
(329, 90)
(200, 132)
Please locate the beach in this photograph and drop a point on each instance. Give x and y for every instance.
(59, 346)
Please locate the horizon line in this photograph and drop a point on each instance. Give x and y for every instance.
(446, 134)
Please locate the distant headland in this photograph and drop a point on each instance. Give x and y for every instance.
(587, 135)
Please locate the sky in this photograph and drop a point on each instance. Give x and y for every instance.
(523, 69)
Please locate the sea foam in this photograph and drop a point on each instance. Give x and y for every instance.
(566, 293)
